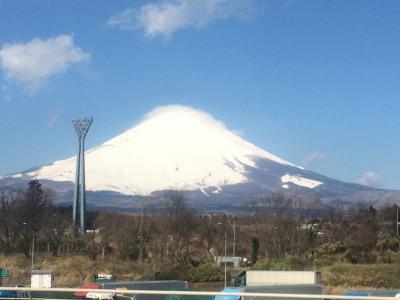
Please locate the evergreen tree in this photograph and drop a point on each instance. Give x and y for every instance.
(254, 250)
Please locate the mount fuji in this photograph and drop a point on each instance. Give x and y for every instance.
(180, 148)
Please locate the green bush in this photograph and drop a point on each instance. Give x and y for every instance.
(330, 249)
(286, 263)
(328, 254)
(174, 272)
(388, 243)
(208, 272)
(356, 256)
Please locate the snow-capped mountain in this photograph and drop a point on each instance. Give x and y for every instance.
(180, 148)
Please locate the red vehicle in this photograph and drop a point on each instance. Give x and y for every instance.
(82, 295)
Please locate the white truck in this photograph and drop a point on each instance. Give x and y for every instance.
(258, 278)
(279, 282)
(261, 278)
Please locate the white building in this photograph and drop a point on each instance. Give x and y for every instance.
(233, 261)
(41, 279)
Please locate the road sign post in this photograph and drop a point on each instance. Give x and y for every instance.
(4, 273)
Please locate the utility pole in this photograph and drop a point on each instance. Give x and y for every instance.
(225, 260)
(397, 220)
(234, 235)
(33, 248)
(225, 238)
(397, 226)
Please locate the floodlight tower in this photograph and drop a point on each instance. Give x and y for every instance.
(81, 128)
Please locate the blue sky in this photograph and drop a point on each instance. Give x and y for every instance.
(314, 82)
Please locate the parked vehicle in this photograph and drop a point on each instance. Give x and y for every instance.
(100, 296)
(82, 295)
(8, 294)
(260, 278)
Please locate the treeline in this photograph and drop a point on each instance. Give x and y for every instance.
(275, 231)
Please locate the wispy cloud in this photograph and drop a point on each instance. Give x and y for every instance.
(311, 158)
(371, 179)
(53, 116)
(4, 93)
(31, 64)
(125, 20)
(166, 17)
(287, 4)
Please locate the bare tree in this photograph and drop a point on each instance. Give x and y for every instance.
(181, 226)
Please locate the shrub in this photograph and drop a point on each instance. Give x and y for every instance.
(174, 272)
(284, 263)
(367, 275)
(208, 272)
(356, 255)
(328, 254)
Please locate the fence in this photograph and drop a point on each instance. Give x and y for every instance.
(135, 293)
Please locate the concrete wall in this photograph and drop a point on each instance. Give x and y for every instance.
(257, 278)
(309, 289)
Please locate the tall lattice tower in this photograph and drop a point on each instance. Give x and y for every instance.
(81, 128)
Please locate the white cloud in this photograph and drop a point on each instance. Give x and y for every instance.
(370, 178)
(33, 63)
(166, 17)
(183, 109)
(311, 158)
(238, 132)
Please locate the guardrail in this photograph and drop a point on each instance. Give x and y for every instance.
(191, 293)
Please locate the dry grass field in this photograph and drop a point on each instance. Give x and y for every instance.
(73, 271)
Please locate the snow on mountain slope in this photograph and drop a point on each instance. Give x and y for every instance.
(174, 147)
(300, 181)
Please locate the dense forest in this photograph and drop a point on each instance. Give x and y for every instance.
(280, 233)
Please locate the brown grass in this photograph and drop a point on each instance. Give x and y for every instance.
(366, 276)
(72, 271)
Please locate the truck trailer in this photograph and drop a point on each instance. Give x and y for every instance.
(260, 277)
